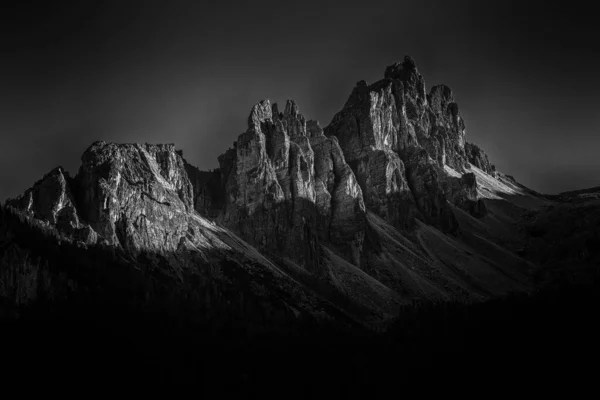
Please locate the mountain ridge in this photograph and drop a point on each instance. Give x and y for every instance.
(386, 205)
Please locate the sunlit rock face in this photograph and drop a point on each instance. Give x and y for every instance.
(445, 138)
(135, 195)
(52, 200)
(288, 188)
(398, 139)
(478, 158)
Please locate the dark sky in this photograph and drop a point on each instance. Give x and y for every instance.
(525, 75)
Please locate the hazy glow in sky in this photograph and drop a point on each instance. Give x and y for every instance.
(523, 73)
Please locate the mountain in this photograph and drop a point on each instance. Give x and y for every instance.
(136, 200)
(386, 205)
(300, 228)
(389, 191)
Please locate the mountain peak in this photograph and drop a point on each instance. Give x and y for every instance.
(402, 70)
(291, 108)
(49, 199)
(260, 113)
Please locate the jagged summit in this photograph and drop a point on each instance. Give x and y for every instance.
(406, 71)
(392, 129)
(260, 113)
(282, 177)
(405, 66)
(50, 199)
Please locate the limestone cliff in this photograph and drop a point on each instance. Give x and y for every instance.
(289, 189)
(398, 140)
(51, 200)
(137, 196)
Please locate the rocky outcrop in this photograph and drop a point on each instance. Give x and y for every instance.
(136, 196)
(463, 192)
(51, 200)
(414, 97)
(268, 188)
(393, 129)
(132, 196)
(478, 158)
(372, 134)
(288, 187)
(427, 187)
(339, 198)
(382, 176)
(445, 137)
